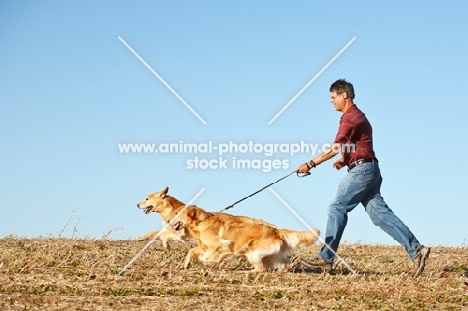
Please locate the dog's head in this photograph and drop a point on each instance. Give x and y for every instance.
(189, 216)
(156, 202)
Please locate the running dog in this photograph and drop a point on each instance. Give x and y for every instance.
(166, 206)
(264, 246)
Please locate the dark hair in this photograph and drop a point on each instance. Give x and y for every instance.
(340, 86)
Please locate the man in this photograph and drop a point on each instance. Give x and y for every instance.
(360, 185)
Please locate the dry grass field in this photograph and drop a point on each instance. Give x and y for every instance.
(80, 274)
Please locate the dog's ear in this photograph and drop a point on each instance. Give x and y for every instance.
(191, 213)
(163, 193)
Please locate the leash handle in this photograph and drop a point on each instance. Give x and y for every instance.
(303, 174)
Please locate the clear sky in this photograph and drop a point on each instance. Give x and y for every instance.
(71, 91)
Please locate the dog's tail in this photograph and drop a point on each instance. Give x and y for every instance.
(294, 240)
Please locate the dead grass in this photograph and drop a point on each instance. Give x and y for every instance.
(80, 274)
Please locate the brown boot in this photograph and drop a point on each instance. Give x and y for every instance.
(319, 263)
(420, 261)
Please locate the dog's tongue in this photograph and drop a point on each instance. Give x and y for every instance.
(176, 226)
(147, 210)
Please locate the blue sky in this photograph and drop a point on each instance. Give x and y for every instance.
(71, 91)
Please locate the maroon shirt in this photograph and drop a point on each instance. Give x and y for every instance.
(356, 130)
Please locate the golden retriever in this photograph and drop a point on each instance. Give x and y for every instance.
(166, 206)
(265, 247)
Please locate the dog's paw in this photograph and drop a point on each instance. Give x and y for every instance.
(187, 263)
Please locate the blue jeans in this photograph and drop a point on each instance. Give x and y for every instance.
(362, 185)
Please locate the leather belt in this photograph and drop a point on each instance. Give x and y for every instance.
(359, 162)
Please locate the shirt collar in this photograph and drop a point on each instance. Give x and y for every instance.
(351, 108)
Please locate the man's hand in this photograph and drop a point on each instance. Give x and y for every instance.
(339, 164)
(302, 169)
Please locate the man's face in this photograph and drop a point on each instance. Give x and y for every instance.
(337, 100)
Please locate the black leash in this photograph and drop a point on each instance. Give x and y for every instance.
(232, 205)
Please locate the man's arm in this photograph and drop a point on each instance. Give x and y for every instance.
(325, 156)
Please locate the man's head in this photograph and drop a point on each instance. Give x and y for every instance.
(343, 86)
(342, 95)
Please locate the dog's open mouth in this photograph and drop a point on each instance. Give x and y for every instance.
(148, 209)
(177, 226)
